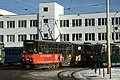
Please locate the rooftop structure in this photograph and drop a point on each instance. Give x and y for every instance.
(4, 12)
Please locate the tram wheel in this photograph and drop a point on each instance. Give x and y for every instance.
(53, 66)
(29, 66)
(57, 65)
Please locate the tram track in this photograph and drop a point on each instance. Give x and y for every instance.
(68, 74)
(63, 73)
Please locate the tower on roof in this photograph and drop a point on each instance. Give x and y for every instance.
(49, 20)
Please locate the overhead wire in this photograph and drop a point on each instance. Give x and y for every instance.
(70, 4)
(28, 10)
(73, 9)
(20, 5)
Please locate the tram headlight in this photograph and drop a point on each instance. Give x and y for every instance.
(91, 56)
(23, 59)
(27, 59)
(30, 59)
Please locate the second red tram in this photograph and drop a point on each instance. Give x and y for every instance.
(46, 54)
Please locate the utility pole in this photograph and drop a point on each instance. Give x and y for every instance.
(108, 37)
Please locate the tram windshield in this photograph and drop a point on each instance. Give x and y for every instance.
(114, 50)
(29, 47)
(13, 51)
(88, 49)
(98, 48)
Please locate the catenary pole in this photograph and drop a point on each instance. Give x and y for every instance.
(108, 37)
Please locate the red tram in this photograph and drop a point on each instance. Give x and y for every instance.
(46, 54)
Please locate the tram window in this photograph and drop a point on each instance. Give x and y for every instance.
(63, 46)
(6, 52)
(31, 50)
(49, 51)
(16, 52)
(11, 52)
(53, 45)
(87, 49)
(41, 49)
(35, 50)
(59, 46)
(46, 45)
(49, 45)
(115, 51)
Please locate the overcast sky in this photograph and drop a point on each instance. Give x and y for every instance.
(71, 6)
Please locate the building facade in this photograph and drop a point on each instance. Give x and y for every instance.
(89, 27)
(52, 23)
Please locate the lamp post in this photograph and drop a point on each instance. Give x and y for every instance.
(108, 38)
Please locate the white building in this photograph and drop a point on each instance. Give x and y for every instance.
(52, 23)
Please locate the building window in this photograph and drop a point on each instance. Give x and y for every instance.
(1, 38)
(22, 23)
(10, 24)
(93, 36)
(73, 23)
(64, 37)
(76, 22)
(90, 22)
(45, 20)
(67, 23)
(113, 36)
(116, 36)
(102, 36)
(45, 9)
(116, 21)
(61, 23)
(99, 36)
(22, 38)
(77, 37)
(10, 38)
(64, 23)
(93, 22)
(89, 36)
(1, 24)
(86, 36)
(86, 22)
(46, 35)
(102, 21)
(113, 21)
(33, 23)
(33, 36)
(99, 21)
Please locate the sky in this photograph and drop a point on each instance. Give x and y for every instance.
(71, 6)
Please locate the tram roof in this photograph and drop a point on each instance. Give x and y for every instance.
(51, 41)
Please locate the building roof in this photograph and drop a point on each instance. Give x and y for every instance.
(4, 12)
